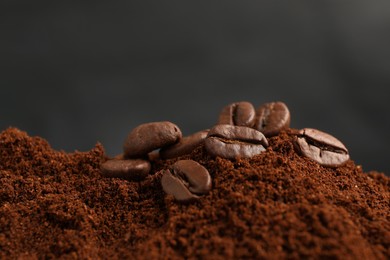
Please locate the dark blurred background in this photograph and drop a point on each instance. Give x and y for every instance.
(79, 73)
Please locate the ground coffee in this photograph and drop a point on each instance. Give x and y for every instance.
(277, 204)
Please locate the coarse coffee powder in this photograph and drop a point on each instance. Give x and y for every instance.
(275, 205)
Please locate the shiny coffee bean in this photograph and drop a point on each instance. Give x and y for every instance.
(151, 136)
(321, 147)
(126, 169)
(186, 180)
(185, 146)
(239, 114)
(271, 118)
(232, 142)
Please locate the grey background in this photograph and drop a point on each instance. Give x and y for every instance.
(79, 73)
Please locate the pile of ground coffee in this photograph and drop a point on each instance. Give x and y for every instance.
(275, 205)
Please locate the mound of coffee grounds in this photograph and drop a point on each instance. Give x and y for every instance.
(277, 204)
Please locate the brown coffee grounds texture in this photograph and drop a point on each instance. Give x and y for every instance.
(276, 205)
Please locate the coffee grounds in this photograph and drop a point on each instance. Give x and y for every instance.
(275, 205)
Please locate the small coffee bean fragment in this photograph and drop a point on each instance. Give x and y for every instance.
(151, 136)
(271, 118)
(133, 170)
(239, 114)
(119, 157)
(321, 147)
(185, 146)
(232, 142)
(154, 156)
(186, 180)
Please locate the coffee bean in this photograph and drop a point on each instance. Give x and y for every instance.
(151, 136)
(240, 114)
(126, 169)
(232, 142)
(186, 180)
(185, 146)
(176, 187)
(321, 147)
(271, 118)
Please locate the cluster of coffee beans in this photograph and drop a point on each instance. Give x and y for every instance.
(241, 132)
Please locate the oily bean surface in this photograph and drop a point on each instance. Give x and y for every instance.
(216, 147)
(272, 117)
(232, 142)
(239, 114)
(321, 147)
(151, 136)
(185, 146)
(186, 180)
(131, 169)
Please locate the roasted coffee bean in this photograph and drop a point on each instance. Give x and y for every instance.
(186, 180)
(271, 118)
(240, 114)
(321, 147)
(151, 136)
(232, 142)
(185, 146)
(126, 169)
